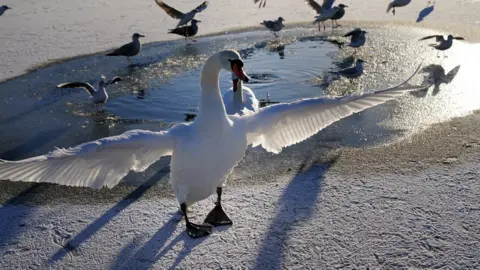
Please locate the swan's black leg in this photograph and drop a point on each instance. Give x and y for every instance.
(194, 230)
(217, 216)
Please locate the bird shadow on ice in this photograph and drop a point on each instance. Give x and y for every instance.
(435, 77)
(156, 248)
(295, 206)
(426, 11)
(94, 227)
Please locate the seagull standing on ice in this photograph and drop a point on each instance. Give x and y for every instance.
(99, 94)
(184, 18)
(3, 9)
(443, 44)
(274, 26)
(357, 39)
(397, 3)
(325, 7)
(188, 31)
(129, 49)
(352, 72)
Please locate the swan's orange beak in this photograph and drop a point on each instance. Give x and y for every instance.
(238, 71)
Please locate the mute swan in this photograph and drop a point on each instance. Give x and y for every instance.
(203, 151)
(443, 44)
(239, 97)
(129, 49)
(99, 94)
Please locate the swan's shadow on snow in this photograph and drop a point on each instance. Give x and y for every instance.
(297, 205)
(73, 244)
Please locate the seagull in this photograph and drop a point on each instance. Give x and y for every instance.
(274, 26)
(129, 49)
(351, 72)
(443, 44)
(326, 14)
(261, 4)
(184, 18)
(187, 31)
(3, 9)
(99, 94)
(357, 39)
(204, 151)
(397, 3)
(327, 5)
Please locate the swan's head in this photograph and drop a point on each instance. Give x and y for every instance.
(137, 36)
(231, 61)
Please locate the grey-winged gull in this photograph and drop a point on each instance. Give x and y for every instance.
(442, 44)
(274, 26)
(3, 9)
(326, 7)
(357, 39)
(99, 94)
(351, 72)
(129, 49)
(397, 3)
(184, 18)
(187, 31)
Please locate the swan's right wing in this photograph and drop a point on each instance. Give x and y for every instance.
(170, 10)
(282, 125)
(93, 164)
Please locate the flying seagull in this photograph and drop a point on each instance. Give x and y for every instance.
(183, 17)
(129, 49)
(3, 9)
(188, 31)
(99, 94)
(357, 39)
(442, 44)
(326, 7)
(397, 3)
(275, 25)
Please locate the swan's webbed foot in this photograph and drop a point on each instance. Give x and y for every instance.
(197, 231)
(217, 216)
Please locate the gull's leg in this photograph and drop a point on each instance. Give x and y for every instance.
(217, 216)
(333, 26)
(445, 55)
(336, 22)
(319, 26)
(393, 11)
(194, 230)
(438, 52)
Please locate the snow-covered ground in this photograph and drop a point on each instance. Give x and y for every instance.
(417, 208)
(37, 32)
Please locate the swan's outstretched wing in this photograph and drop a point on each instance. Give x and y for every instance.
(93, 164)
(281, 125)
(88, 87)
(170, 10)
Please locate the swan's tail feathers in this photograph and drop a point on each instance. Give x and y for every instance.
(390, 6)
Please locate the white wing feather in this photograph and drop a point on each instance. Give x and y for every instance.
(282, 125)
(93, 164)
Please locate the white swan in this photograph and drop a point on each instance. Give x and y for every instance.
(204, 151)
(239, 97)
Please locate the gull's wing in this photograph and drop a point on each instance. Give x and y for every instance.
(348, 71)
(201, 7)
(437, 38)
(459, 38)
(354, 32)
(264, 2)
(88, 87)
(316, 6)
(125, 50)
(327, 4)
(93, 164)
(281, 125)
(114, 80)
(170, 10)
(451, 74)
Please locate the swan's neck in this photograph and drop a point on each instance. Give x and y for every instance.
(212, 110)
(238, 95)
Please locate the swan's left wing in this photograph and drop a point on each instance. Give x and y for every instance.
(281, 125)
(93, 164)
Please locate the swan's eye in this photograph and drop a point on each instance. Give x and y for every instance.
(237, 62)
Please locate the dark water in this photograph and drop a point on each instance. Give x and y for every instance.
(163, 85)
